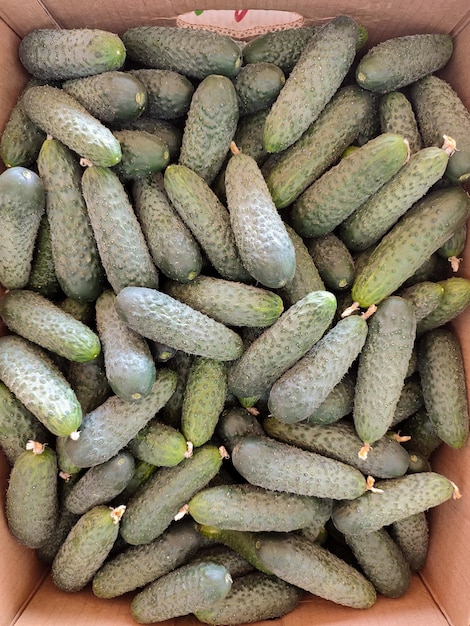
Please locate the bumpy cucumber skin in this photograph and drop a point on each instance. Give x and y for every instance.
(296, 394)
(235, 423)
(380, 212)
(317, 75)
(115, 224)
(257, 86)
(89, 382)
(84, 550)
(152, 509)
(454, 299)
(397, 116)
(320, 146)
(400, 61)
(382, 562)
(32, 506)
(412, 240)
(334, 196)
(313, 568)
(207, 219)
(114, 423)
(275, 351)
(390, 340)
(412, 537)
(249, 135)
(410, 400)
(129, 364)
(263, 242)
(76, 260)
(159, 444)
(333, 260)
(42, 277)
(57, 54)
(337, 404)
(399, 498)
(143, 153)
(419, 427)
(252, 598)
(387, 459)
(34, 317)
(440, 366)
(425, 297)
(165, 129)
(21, 208)
(39, 385)
(279, 466)
(196, 55)
(281, 47)
(455, 245)
(169, 93)
(163, 318)
(65, 119)
(138, 566)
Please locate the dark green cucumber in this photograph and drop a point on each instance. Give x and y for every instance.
(109, 427)
(279, 466)
(382, 367)
(334, 196)
(296, 394)
(387, 459)
(65, 119)
(395, 499)
(142, 471)
(236, 423)
(207, 218)
(86, 547)
(409, 401)
(137, 566)
(89, 383)
(166, 130)
(422, 432)
(75, 255)
(410, 242)
(115, 224)
(21, 208)
(100, 484)
(397, 116)
(196, 55)
(250, 305)
(160, 444)
(143, 154)
(454, 300)
(281, 47)
(367, 225)
(30, 374)
(454, 247)
(61, 53)
(318, 73)
(41, 321)
(440, 366)
(257, 86)
(400, 61)
(412, 537)
(252, 598)
(320, 146)
(128, 361)
(333, 260)
(32, 506)
(180, 363)
(265, 247)
(249, 135)
(282, 344)
(338, 403)
(154, 506)
(169, 93)
(313, 568)
(162, 318)
(42, 276)
(425, 297)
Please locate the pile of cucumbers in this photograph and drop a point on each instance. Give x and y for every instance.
(229, 273)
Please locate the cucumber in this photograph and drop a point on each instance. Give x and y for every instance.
(180, 364)
(166, 130)
(320, 146)
(112, 97)
(137, 566)
(397, 116)
(257, 86)
(42, 276)
(142, 471)
(265, 247)
(41, 321)
(86, 547)
(282, 344)
(75, 255)
(196, 55)
(21, 209)
(188, 589)
(296, 394)
(279, 466)
(65, 119)
(440, 367)
(425, 297)
(169, 93)
(30, 374)
(32, 506)
(160, 444)
(236, 564)
(318, 73)
(89, 383)
(337, 404)
(410, 242)
(109, 427)
(160, 317)
(235, 423)
(454, 300)
(114, 225)
(143, 154)
(313, 568)
(400, 61)
(334, 196)
(281, 47)
(252, 306)
(249, 136)
(454, 247)
(409, 401)
(412, 537)
(422, 432)
(129, 364)
(333, 260)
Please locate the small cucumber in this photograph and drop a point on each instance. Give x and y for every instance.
(143, 154)
(257, 86)
(169, 93)
(281, 47)
(454, 299)
(160, 444)
(397, 116)
(333, 260)
(425, 297)
(412, 537)
(166, 130)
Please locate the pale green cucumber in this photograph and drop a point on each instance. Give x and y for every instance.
(160, 444)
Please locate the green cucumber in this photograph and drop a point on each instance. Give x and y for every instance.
(318, 73)
(180, 363)
(337, 404)
(412, 537)
(397, 116)
(425, 297)
(410, 242)
(160, 444)
(454, 247)
(454, 299)
(143, 154)
(235, 423)
(422, 433)
(89, 383)
(142, 471)
(400, 61)
(166, 130)
(169, 93)
(334, 196)
(42, 276)
(249, 135)
(281, 47)
(333, 260)
(257, 86)
(409, 401)
(236, 564)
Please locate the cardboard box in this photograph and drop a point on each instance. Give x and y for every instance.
(440, 594)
